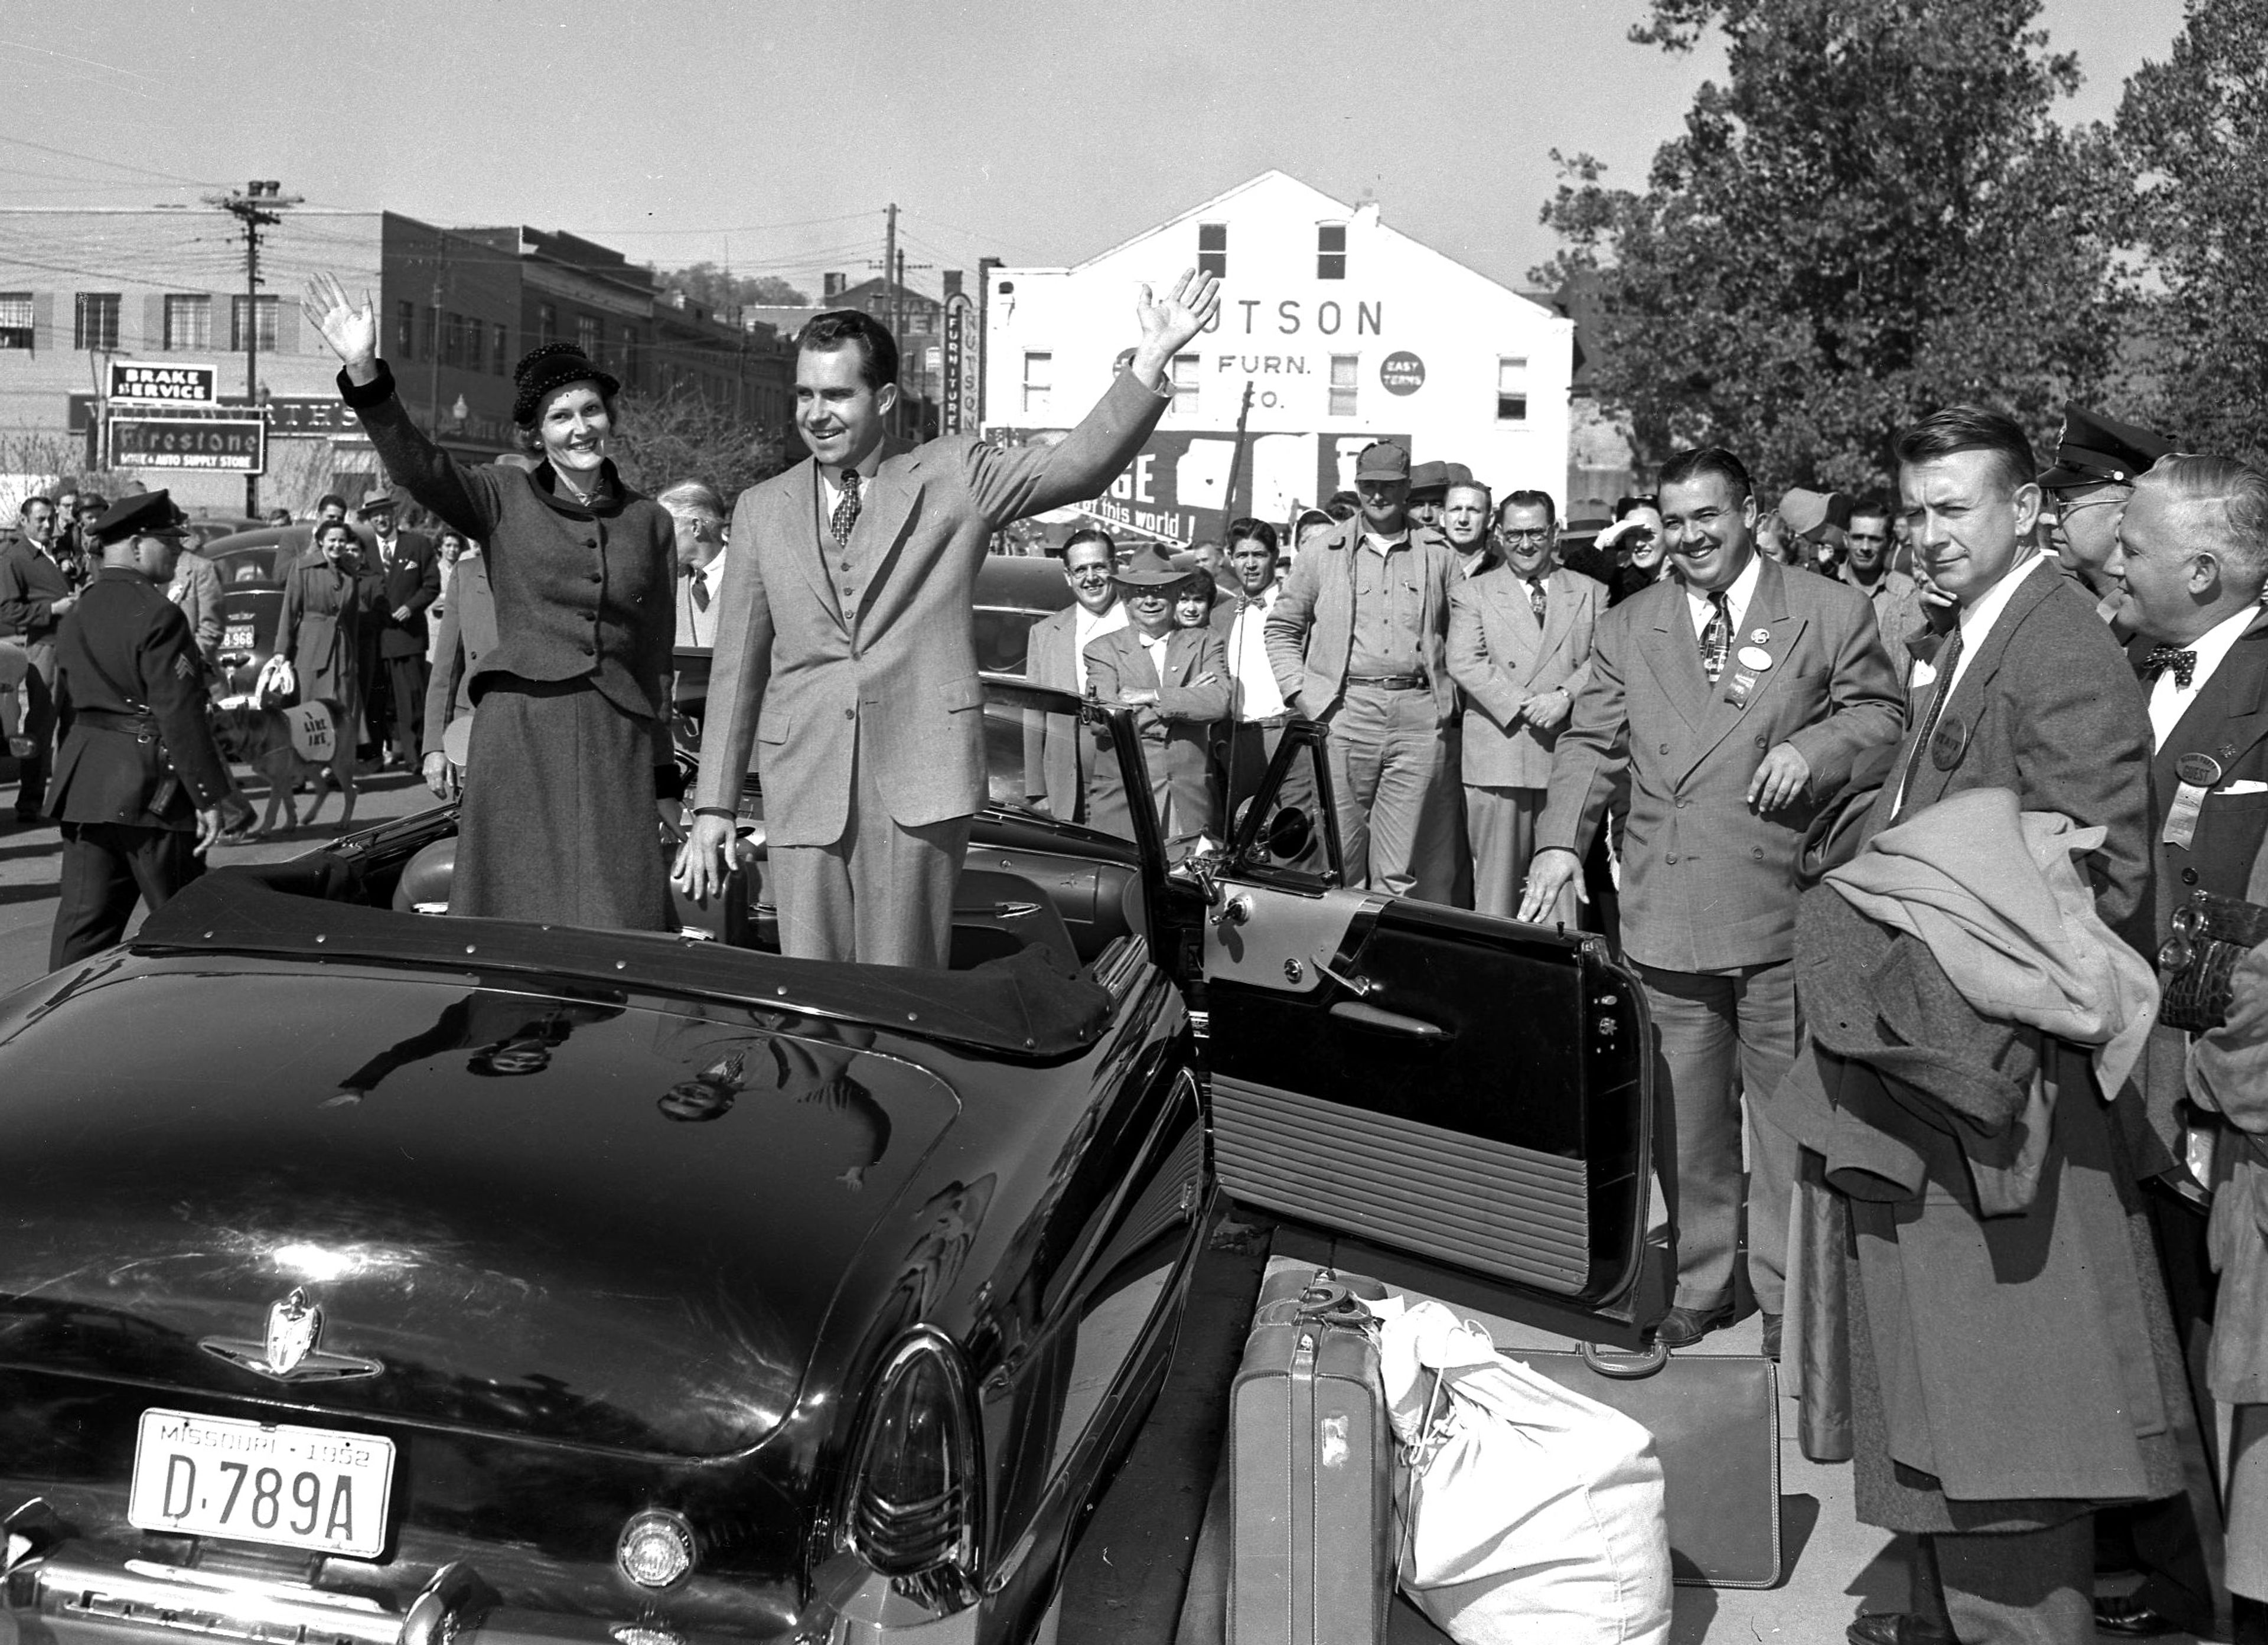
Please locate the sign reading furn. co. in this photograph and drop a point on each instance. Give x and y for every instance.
(139, 383)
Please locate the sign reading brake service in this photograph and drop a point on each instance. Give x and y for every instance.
(167, 384)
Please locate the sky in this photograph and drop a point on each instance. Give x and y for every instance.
(772, 135)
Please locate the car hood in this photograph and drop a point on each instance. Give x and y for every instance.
(542, 1211)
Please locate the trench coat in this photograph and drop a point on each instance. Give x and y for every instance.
(319, 633)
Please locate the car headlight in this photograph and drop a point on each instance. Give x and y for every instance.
(915, 1496)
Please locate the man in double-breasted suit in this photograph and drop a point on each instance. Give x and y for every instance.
(1519, 649)
(1735, 697)
(1056, 754)
(2029, 695)
(846, 651)
(1177, 679)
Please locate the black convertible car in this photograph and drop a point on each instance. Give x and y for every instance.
(377, 1278)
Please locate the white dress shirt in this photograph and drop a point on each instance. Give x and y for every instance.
(694, 625)
(1256, 695)
(1975, 622)
(1087, 626)
(1736, 601)
(1156, 647)
(2168, 700)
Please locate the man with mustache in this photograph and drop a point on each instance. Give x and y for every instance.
(846, 652)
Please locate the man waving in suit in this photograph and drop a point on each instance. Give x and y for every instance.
(1735, 697)
(1519, 646)
(846, 651)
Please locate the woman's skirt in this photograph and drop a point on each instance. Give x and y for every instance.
(558, 824)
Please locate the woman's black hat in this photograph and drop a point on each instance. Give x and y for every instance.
(554, 365)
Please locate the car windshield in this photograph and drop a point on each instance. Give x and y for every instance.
(250, 567)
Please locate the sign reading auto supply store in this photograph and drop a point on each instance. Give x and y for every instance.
(234, 442)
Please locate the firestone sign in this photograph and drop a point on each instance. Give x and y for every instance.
(137, 383)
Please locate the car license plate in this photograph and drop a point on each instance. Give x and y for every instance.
(239, 637)
(310, 1488)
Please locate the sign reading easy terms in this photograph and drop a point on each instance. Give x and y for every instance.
(167, 384)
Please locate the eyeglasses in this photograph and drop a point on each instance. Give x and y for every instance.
(2064, 509)
(1527, 539)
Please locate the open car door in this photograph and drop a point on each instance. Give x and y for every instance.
(1470, 1096)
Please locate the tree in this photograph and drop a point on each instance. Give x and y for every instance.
(2194, 131)
(1875, 216)
(706, 282)
(678, 434)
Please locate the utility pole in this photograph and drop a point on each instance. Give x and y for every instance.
(256, 206)
(889, 262)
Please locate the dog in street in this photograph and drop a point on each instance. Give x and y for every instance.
(263, 739)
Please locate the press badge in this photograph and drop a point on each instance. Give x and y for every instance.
(2198, 772)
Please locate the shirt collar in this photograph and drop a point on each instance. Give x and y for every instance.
(1737, 596)
(2217, 642)
(1383, 546)
(1978, 617)
(867, 467)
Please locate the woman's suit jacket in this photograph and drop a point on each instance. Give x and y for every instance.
(319, 632)
(1175, 732)
(467, 634)
(1500, 658)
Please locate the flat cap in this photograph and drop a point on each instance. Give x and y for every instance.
(2097, 450)
(151, 514)
(1808, 513)
(1382, 460)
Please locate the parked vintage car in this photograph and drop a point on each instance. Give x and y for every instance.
(386, 1279)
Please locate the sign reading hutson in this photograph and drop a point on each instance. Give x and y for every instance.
(168, 384)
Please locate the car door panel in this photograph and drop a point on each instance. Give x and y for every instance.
(1469, 1090)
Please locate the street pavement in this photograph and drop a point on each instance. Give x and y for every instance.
(31, 859)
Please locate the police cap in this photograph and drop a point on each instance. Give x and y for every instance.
(151, 514)
(2097, 450)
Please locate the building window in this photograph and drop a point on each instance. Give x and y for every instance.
(1213, 249)
(1039, 374)
(405, 328)
(1343, 381)
(547, 322)
(630, 355)
(503, 342)
(452, 339)
(188, 322)
(16, 319)
(1183, 378)
(429, 336)
(586, 337)
(266, 311)
(1511, 389)
(95, 324)
(475, 343)
(1331, 251)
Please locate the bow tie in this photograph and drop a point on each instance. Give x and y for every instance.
(2184, 663)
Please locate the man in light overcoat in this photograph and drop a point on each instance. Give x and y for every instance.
(846, 653)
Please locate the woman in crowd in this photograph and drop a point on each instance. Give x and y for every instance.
(558, 822)
(1193, 605)
(319, 633)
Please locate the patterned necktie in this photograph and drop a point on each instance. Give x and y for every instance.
(846, 510)
(2184, 663)
(700, 589)
(1948, 660)
(1717, 638)
(1535, 598)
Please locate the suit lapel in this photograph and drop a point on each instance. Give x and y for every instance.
(800, 528)
(1558, 595)
(1675, 655)
(882, 516)
(1930, 780)
(1767, 615)
(2227, 716)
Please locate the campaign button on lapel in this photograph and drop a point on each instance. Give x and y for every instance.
(1759, 635)
(1949, 743)
(2202, 770)
(1755, 657)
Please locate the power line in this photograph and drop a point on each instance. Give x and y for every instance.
(96, 160)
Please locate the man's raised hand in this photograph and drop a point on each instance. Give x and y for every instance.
(351, 332)
(1170, 322)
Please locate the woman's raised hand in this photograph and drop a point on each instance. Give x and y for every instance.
(351, 332)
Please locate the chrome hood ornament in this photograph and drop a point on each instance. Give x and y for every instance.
(293, 1352)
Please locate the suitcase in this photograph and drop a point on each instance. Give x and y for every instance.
(1715, 1422)
(1311, 1469)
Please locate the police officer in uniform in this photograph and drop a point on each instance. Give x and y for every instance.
(2097, 460)
(140, 788)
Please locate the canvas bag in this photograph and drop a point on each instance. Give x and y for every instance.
(1528, 1512)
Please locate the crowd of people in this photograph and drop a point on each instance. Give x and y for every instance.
(1894, 804)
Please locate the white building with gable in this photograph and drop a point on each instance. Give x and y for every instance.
(1343, 330)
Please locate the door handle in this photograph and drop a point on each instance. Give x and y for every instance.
(1355, 1013)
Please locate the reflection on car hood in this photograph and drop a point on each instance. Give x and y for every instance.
(544, 1212)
